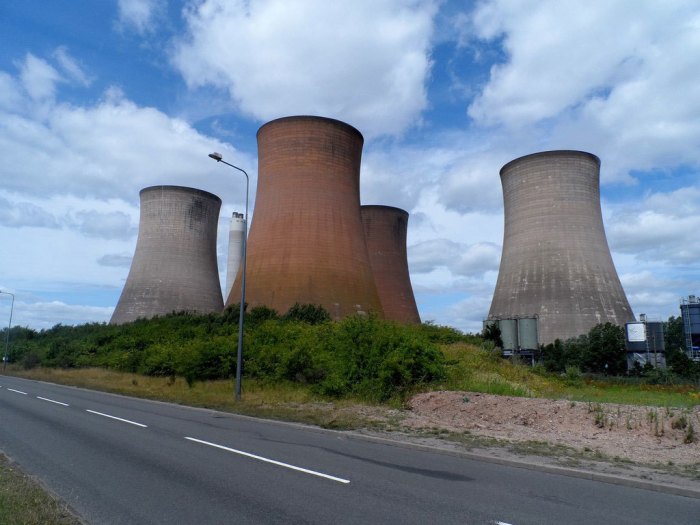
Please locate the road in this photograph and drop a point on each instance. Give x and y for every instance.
(120, 460)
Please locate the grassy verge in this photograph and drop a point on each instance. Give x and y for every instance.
(282, 400)
(472, 369)
(24, 502)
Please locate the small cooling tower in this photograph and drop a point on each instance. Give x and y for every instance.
(235, 249)
(174, 266)
(385, 233)
(306, 242)
(556, 263)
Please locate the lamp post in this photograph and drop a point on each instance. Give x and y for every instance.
(7, 336)
(239, 356)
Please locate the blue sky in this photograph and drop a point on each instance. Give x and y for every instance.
(99, 99)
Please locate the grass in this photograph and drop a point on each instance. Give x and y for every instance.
(22, 501)
(473, 369)
(281, 400)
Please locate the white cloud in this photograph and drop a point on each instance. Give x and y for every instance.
(139, 15)
(364, 62)
(661, 227)
(460, 259)
(121, 260)
(71, 67)
(616, 81)
(110, 225)
(23, 214)
(111, 149)
(10, 92)
(38, 78)
(46, 314)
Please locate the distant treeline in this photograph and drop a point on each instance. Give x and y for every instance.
(602, 351)
(360, 355)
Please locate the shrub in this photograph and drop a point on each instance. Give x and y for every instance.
(307, 313)
(259, 314)
(379, 360)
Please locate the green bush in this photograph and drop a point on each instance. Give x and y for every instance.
(359, 356)
(379, 360)
(307, 313)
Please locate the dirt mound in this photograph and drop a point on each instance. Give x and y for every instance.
(637, 433)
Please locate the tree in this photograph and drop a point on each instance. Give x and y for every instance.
(606, 350)
(673, 334)
(553, 356)
(492, 332)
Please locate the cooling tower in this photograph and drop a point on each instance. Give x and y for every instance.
(385, 233)
(556, 263)
(174, 266)
(235, 249)
(306, 242)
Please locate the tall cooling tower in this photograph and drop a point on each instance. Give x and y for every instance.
(385, 233)
(235, 249)
(306, 241)
(174, 266)
(556, 263)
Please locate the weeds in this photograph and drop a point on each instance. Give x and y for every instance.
(680, 422)
(22, 501)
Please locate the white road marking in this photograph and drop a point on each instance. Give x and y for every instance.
(52, 401)
(266, 460)
(18, 391)
(117, 418)
(501, 523)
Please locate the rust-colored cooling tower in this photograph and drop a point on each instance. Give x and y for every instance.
(556, 263)
(385, 233)
(306, 241)
(174, 266)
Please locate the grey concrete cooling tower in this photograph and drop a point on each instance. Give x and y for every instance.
(556, 263)
(174, 266)
(385, 233)
(235, 249)
(306, 241)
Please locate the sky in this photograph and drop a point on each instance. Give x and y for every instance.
(101, 98)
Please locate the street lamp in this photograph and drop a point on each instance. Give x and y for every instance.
(239, 357)
(7, 336)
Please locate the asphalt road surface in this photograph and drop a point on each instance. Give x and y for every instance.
(120, 460)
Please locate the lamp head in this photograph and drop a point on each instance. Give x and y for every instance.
(216, 156)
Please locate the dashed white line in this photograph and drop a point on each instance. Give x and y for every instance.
(52, 401)
(18, 391)
(266, 460)
(117, 418)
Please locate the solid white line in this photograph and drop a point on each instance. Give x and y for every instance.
(117, 418)
(18, 391)
(266, 460)
(502, 523)
(52, 401)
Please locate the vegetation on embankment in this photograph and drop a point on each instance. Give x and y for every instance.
(360, 357)
(23, 501)
(303, 358)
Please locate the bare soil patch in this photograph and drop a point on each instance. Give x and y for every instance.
(637, 433)
(626, 441)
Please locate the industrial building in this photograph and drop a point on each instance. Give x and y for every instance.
(236, 232)
(306, 242)
(385, 229)
(556, 264)
(690, 312)
(644, 342)
(174, 266)
(519, 337)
